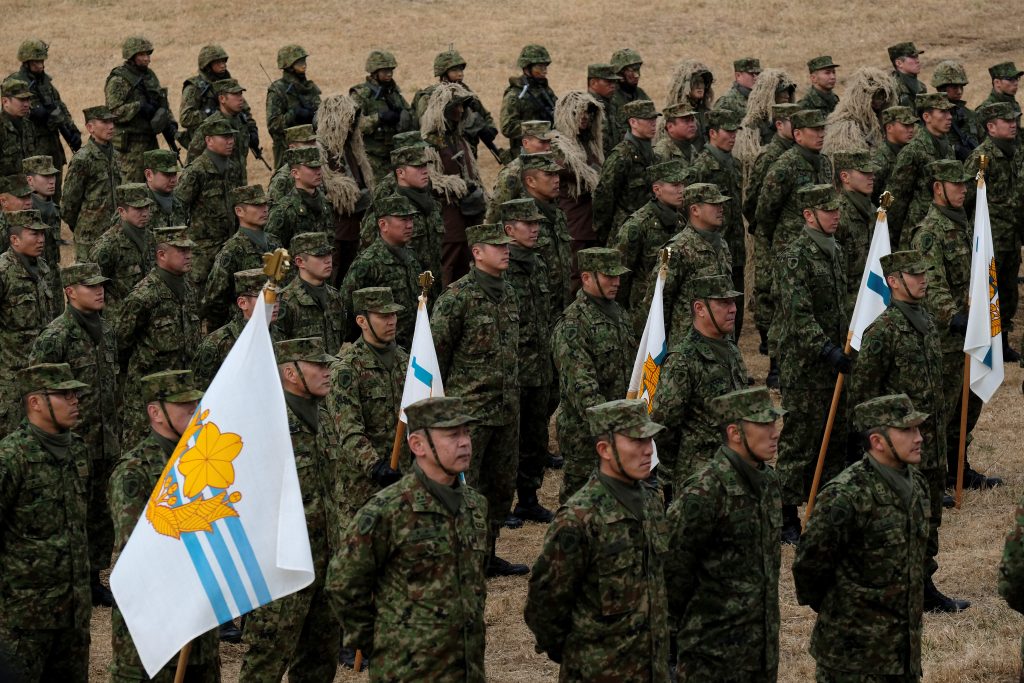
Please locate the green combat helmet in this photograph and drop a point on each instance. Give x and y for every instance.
(533, 54)
(208, 54)
(895, 410)
(626, 57)
(47, 377)
(626, 416)
(375, 300)
(949, 72)
(133, 45)
(601, 260)
(437, 412)
(289, 54)
(33, 50)
(446, 61)
(751, 405)
(170, 386)
(380, 59)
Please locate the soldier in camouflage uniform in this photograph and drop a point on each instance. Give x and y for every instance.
(312, 307)
(859, 563)
(44, 479)
(17, 132)
(384, 110)
(1005, 81)
(823, 81)
(85, 340)
(597, 602)
(171, 399)
(298, 633)
(478, 126)
(161, 170)
(602, 83)
(305, 208)
(899, 124)
(965, 129)
(88, 204)
(623, 187)
(681, 139)
(542, 184)
(809, 328)
(745, 73)
(535, 138)
(722, 576)
(901, 353)
(127, 251)
(292, 100)
(231, 109)
(906, 64)
(1011, 570)
(408, 581)
(528, 96)
(593, 346)
(626, 63)
(199, 99)
(281, 183)
(42, 175)
(855, 173)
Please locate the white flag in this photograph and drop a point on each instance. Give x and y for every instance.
(423, 377)
(874, 295)
(643, 383)
(983, 341)
(224, 530)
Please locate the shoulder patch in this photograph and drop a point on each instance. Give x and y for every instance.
(792, 262)
(366, 521)
(927, 241)
(569, 540)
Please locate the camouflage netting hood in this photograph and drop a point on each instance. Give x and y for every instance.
(854, 125)
(679, 89)
(568, 149)
(759, 113)
(336, 132)
(433, 125)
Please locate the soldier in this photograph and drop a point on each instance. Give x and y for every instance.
(590, 613)
(140, 108)
(15, 195)
(901, 353)
(535, 138)
(823, 81)
(83, 337)
(305, 208)
(127, 251)
(964, 133)
(542, 184)
(199, 100)
(44, 476)
(681, 139)
(900, 124)
(602, 83)
(701, 365)
(623, 186)
(171, 399)
(745, 73)
(593, 348)
(388, 262)
(856, 175)
(859, 562)
(1005, 81)
(231, 109)
(476, 333)
(906, 64)
(626, 63)
(311, 306)
(292, 100)
(281, 183)
(161, 171)
(1011, 569)
(379, 568)
(810, 330)
(478, 125)
(856, 125)
(17, 133)
(367, 382)
(528, 96)
(722, 577)
(42, 175)
(384, 110)
(88, 203)
(692, 84)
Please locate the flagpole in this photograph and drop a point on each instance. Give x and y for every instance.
(833, 409)
(426, 281)
(179, 672)
(663, 257)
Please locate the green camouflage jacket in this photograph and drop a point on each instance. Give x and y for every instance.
(734, 99)
(17, 142)
(50, 214)
(525, 100)
(380, 265)
(910, 184)
(298, 212)
(199, 101)
(126, 89)
(620, 98)
(694, 253)
(623, 187)
(87, 201)
(158, 218)
(639, 240)
(45, 93)
(666, 149)
(527, 274)
(1011, 569)
(778, 216)
(204, 189)
(884, 157)
(281, 183)
(240, 252)
(284, 97)
(427, 225)
(240, 175)
(995, 97)
(945, 245)
(816, 99)
(508, 185)
(856, 227)
(302, 316)
(721, 169)
(613, 127)
(124, 254)
(1004, 184)
(554, 249)
(769, 154)
(908, 88)
(373, 99)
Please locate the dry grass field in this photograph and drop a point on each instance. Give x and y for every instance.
(980, 645)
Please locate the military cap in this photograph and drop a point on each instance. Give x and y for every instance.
(38, 165)
(625, 57)
(82, 274)
(948, 171)
(822, 197)
(855, 161)
(412, 155)
(672, 171)
(536, 129)
(375, 300)
(408, 138)
(133, 194)
(809, 118)
(712, 287)
(932, 100)
(175, 235)
(899, 114)
(723, 119)
(312, 243)
(170, 386)
(15, 87)
(248, 194)
(208, 54)
(249, 282)
(640, 109)
(533, 54)
(446, 61)
(903, 50)
(679, 110)
(133, 45)
(487, 233)
(747, 65)
(15, 185)
(437, 412)
(601, 260)
(819, 63)
(309, 349)
(303, 133)
(47, 376)
(520, 210)
(909, 261)
(100, 113)
(604, 71)
(33, 50)
(749, 405)
(784, 111)
(29, 218)
(1005, 70)
(303, 156)
(162, 160)
(949, 72)
(704, 193)
(227, 85)
(626, 416)
(380, 59)
(996, 110)
(289, 54)
(217, 127)
(395, 205)
(895, 410)
(541, 161)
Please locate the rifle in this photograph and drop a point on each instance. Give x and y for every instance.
(546, 104)
(65, 128)
(170, 130)
(254, 140)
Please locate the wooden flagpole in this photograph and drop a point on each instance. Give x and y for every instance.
(179, 672)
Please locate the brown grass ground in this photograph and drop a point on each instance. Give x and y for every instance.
(85, 35)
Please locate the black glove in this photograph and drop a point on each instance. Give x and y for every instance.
(147, 109)
(72, 137)
(958, 324)
(389, 116)
(302, 115)
(383, 475)
(835, 357)
(172, 130)
(39, 114)
(254, 138)
(488, 134)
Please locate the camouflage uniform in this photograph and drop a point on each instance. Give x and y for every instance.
(478, 124)
(292, 100)
(613, 124)
(300, 211)
(666, 149)
(735, 98)
(526, 98)
(597, 602)
(310, 310)
(1003, 70)
(17, 135)
(44, 597)
(384, 112)
(884, 155)
(554, 242)
(237, 123)
(281, 182)
(167, 210)
(199, 100)
(1011, 569)
(125, 253)
(49, 212)
(508, 184)
(859, 562)
(625, 93)
(908, 87)
(856, 221)
(407, 582)
(88, 205)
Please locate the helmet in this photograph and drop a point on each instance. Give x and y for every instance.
(209, 54)
(289, 54)
(447, 60)
(949, 72)
(380, 59)
(533, 54)
(32, 50)
(625, 57)
(134, 45)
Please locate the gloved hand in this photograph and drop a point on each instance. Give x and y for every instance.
(160, 120)
(383, 475)
(39, 114)
(147, 109)
(74, 140)
(363, 203)
(302, 115)
(254, 138)
(389, 116)
(835, 357)
(488, 134)
(958, 323)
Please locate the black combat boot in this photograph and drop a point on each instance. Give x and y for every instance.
(790, 525)
(101, 595)
(935, 601)
(529, 509)
(772, 382)
(1009, 354)
(229, 633)
(762, 348)
(497, 566)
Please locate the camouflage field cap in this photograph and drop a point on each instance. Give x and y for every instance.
(900, 114)
(712, 287)
(747, 65)
(170, 386)
(932, 100)
(303, 156)
(100, 113)
(133, 45)
(380, 59)
(949, 72)
(903, 50)
(33, 50)
(217, 127)
(604, 71)
(723, 119)
(375, 300)
(289, 54)
(308, 349)
(909, 261)
(15, 185)
(133, 194)
(948, 171)
(312, 243)
(626, 57)
(819, 63)
(640, 109)
(208, 54)
(15, 87)
(672, 171)
(303, 133)
(1005, 70)
(784, 111)
(162, 160)
(809, 118)
(437, 412)
(487, 233)
(395, 205)
(704, 193)
(227, 85)
(446, 61)
(601, 260)
(626, 416)
(533, 54)
(895, 410)
(411, 155)
(678, 110)
(175, 236)
(87, 274)
(47, 377)
(749, 405)
(540, 161)
(249, 194)
(29, 219)
(249, 282)
(822, 197)
(854, 161)
(536, 129)
(525, 210)
(38, 165)
(996, 110)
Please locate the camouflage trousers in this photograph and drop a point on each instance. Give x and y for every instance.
(493, 469)
(128, 156)
(31, 655)
(577, 449)
(801, 441)
(700, 670)
(739, 283)
(533, 439)
(125, 667)
(203, 256)
(952, 386)
(764, 305)
(936, 479)
(1007, 270)
(826, 675)
(98, 522)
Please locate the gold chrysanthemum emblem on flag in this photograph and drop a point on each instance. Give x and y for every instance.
(993, 301)
(649, 381)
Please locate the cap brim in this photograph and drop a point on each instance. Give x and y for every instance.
(403, 214)
(497, 241)
(456, 421)
(184, 396)
(645, 431)
(912, 420)
(180, 244)
(94, 280)
(615, 272)
(390, 308)
(728, 294)
(324, 358)
(766, 416)
(69, 384)
(38, 226)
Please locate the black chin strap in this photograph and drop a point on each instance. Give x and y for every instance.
(915, 298)
(163, 409)
(711, 314)
(743, 437)
(618, 460)
(942, 186)
(437, 460)
(600, 289)
(369, 323)
(46, 395)
(814, 212)
(302, 377)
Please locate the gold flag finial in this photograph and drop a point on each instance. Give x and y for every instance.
(275, 266)
(886, 200)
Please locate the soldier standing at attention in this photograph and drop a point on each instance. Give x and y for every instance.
(230, 108)
(965, 130)
(745, 73)
(535, 138)
(281, 183)
(127, 251)
(1005, 81)
(823, 81)
(311, 306)
(906, 64)
(602, 83)
(161, 170)
(304, 208)
(528, 96)
(681, 139)
(88, 204)
(626, 63)
(478, 125)
(384, 111)
(856, 180)
(899, 125)
(410, 566)
(41, 175)
(597, 599)
(17, 134)
(859, 563)
(292, 100)
(542, 184)
(199, 100)
(722, 576)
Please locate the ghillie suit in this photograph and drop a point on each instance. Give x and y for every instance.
(854, 125)
(757, 127)
(579, 152)
(679, 91)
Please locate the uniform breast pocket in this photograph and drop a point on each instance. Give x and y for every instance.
(480, 338)
(40, 510)
(165, 335)
(23, 307)
(617, 573)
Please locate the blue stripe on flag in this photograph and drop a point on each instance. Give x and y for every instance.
(231, 575)
(207, 579)
(876, 283)
(252, 565)
(421, 373)
(660, 358)
(988, 357)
